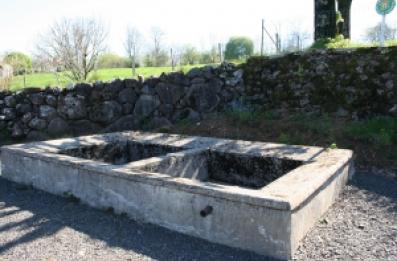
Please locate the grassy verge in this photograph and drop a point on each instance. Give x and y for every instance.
(52, 79)
(340, 43)
(373, 140)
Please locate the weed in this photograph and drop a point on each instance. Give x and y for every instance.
(333, 146)
(284, 138)
(379, 131)
(250, 116)
(94, 76)
(70, 197)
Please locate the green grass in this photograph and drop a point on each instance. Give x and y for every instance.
(379, 131)
(50, 79)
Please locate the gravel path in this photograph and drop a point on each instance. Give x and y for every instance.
(38, 226)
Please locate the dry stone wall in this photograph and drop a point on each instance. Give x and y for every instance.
(348, 83)
(119, 105)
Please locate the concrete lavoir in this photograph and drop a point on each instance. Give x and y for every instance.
(262, 197)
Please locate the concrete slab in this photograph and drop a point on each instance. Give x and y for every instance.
(262, 197)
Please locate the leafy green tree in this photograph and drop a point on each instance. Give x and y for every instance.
(239, 48)
(190, 56)
(20, 62)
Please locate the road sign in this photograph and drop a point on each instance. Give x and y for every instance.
(384, 7)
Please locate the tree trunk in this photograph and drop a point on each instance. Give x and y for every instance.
(344, 7)
(324, 19)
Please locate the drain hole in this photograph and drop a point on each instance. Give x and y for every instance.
(206, 211)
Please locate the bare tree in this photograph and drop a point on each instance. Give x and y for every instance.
(373, 34)
(74, 45)
(132, 46)
(297, 40)
(159, 55)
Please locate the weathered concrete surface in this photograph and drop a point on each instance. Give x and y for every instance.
(270, 220)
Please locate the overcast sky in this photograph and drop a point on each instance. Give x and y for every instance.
(200, 23)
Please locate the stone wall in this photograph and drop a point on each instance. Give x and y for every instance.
(348, 83)
(119, 105)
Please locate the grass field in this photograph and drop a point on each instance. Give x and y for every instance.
(59, 79)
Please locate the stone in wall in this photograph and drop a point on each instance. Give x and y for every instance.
(72, 107)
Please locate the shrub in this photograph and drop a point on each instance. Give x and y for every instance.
(20, 62)
(110, 60)
(5, 83)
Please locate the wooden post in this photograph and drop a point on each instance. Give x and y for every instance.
(262, 37)
(133, 62)
(172, 61)
(220, 52)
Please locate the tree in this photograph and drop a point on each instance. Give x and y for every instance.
(74, 45)
(326, 16)
(210, 56)
(190, 56)
(373, 34)
(132, 45)
(324, 19)
(239, 48)
(344, 7)
(20, 62)
(158, 55)
(296, 41)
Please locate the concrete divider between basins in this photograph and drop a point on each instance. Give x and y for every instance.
(262, 197)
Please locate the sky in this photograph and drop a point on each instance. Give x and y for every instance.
(200, 23)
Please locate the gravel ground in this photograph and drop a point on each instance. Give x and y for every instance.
(35, 225)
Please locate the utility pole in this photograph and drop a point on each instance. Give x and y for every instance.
(262, 37)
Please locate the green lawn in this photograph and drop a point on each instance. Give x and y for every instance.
(52, 79)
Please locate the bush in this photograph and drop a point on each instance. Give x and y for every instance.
(20, 62)
(190, 56)
(110, 60)
(154, 59)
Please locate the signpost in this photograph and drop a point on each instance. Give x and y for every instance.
(383, 8)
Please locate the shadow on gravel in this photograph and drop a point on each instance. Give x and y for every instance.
(383, 190)
(50, 214)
